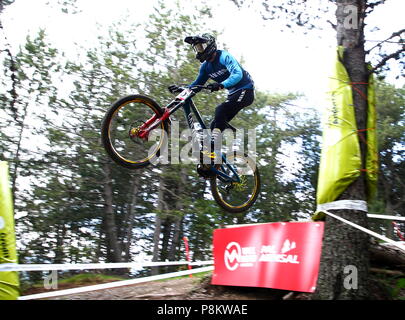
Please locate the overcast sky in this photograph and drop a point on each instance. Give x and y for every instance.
(278, 61)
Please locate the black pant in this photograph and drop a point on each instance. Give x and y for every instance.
(227, 110)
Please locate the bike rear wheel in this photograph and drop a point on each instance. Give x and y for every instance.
(232, 194)
(121, 125)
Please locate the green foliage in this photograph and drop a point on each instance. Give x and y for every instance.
(66, 6)
(88, 208)
(74, 205)
(88, 278)
(400, 285)
(4, 3)
(391, 139)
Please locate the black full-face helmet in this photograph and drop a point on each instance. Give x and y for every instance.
(204, 45)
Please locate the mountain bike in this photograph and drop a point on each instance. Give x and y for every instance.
(127, 131)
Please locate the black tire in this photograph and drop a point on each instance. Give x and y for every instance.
(140, 108)
(244, 206)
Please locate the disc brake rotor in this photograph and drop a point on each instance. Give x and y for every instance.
(241, 185)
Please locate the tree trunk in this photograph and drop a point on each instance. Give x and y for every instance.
(60, 237)
(129, 219)
(166, 232)
(158, 226)
(156, 243)
(387, 255)
(344, 268)
(174, 246)
(175, 243)
(114, 254)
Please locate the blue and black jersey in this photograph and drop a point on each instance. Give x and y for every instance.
(225, 70)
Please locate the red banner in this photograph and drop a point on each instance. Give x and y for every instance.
(282, 255)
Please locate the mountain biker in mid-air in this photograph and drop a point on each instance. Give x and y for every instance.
(225, 70)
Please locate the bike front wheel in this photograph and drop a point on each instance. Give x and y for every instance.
(120, 128)
(236, 185)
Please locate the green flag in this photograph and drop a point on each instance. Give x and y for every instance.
(372, 145)
(340, 162)
(9, 281)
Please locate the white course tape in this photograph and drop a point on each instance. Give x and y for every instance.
(359, 205)
(84, 266)
(113, 284)
(372, 233)
(384, 216)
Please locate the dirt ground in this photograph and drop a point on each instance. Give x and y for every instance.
(171, 289)
(196, 288)
(180, 289)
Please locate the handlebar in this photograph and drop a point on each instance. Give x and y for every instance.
(195, 89)
(198, 88)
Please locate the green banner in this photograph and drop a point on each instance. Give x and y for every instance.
(340, 162)
(9, 281)
(372, 145)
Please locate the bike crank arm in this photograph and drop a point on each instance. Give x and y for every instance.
(232, 168)
(226, 178)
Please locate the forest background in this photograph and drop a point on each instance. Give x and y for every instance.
(73, 205)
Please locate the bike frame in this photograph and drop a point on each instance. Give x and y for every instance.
(184, 99)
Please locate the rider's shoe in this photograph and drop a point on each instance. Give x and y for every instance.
(211, 149)
(208, 157)
(205, 170)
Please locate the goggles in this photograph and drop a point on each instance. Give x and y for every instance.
(200, 47)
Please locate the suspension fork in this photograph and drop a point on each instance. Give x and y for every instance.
(144, 130)
(152, 123)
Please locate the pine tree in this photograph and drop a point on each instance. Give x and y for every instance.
(351, 246)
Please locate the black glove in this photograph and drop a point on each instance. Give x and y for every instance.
(215, 86)
(175, 89)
